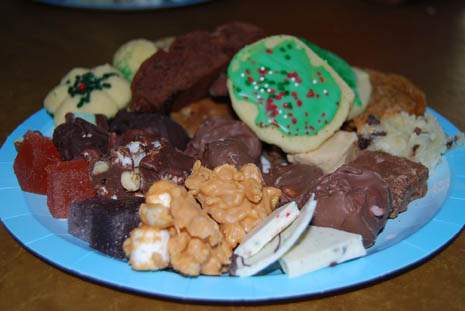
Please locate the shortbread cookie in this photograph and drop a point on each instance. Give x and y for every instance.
(131, 55)
(101, 90)
(333, 153)
(286, 94)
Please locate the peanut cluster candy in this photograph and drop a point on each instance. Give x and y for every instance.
(236, 199)
(175, 232)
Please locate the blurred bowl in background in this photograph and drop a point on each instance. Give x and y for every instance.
(121, 4)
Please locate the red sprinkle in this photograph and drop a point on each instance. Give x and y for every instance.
(294, 120)
(82, 86)
(294, 94)
(262, 71)
(310, 93)
(250, 79)
(247, 72)
(269, 51)
(299, 103)
(271, 106)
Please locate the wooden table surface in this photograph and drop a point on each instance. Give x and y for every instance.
(424, 40)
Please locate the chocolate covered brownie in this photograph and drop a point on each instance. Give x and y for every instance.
(406, 179)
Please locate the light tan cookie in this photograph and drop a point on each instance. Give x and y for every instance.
(286, 94)
(333, 153)
(100, 90)
(132, 54)
(364, 89)
(418, 138)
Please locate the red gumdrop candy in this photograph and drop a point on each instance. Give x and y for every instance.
(67, 182)
(34, 154)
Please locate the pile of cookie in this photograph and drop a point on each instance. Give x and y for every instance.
(229, 150)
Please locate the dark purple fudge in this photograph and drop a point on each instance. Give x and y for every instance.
(104, 223)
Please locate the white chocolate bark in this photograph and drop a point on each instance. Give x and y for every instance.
(319, 248)
(277, 247)
(270, 227)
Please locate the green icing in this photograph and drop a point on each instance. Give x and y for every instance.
(84, 85)
(126, 72)
(344, 70)
(290, 93)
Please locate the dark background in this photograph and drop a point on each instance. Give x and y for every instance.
(423, 40)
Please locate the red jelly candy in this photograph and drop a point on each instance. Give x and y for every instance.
(67, 182)
(35, 153)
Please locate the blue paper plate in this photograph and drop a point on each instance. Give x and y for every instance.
(428, 225)
(121, 5)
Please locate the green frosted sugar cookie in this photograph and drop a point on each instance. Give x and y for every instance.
(131, 55)
(287, 94)
(345, 71)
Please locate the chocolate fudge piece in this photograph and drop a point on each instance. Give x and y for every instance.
(216, 133)
(296, 181)
(353, 199)
(76, 136)
(164, 162)
(226, 151)
(406, 179)
(81, 218)
(194, 62)
(112, 221)
(153, 123)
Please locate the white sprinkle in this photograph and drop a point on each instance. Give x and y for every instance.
(255, 87)
(262, 78)
(262, 90)
(285, 116)
(262, 68)
(268, 90)
(259, 97)
(114, 197)
(325, 91)
(156, 144)
(296, 84)
(242, 75)
(270, 72)
(266, 85)
(314, 81)
(254, 83)
(134, 146)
